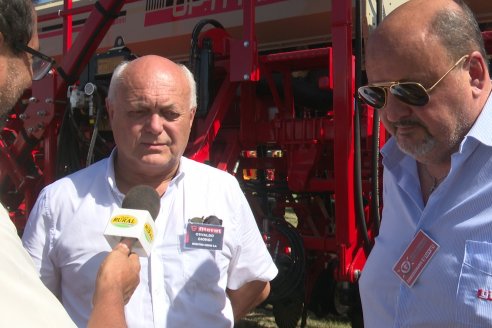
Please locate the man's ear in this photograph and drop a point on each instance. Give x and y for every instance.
(192, 115)
(110, 111)
(478, 72)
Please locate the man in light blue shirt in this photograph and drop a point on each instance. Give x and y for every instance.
(431, 265)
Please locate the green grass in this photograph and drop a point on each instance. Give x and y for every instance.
(263, 318)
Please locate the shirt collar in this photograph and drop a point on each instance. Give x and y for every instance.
(111, 177)
(480, 131)
(110, 173)
(392, 154)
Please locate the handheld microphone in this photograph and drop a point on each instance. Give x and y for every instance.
(134, 221)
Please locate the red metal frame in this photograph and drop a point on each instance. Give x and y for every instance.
(301, 138)
(67, 26)
(42, 116)
(343, 102)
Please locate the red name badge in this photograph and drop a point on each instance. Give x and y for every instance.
(415, 258)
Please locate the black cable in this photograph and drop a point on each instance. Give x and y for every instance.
(67, 160)
(194, 39)
(95, 130)
(287, 282)
(359, 204)
(201, 65)
(375, 202)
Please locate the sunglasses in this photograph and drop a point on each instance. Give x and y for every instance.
(411, 93)
(41, 63)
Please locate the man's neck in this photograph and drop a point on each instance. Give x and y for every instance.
(159, 180)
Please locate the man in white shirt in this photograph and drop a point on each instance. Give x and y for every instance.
(24, 300)
(211, 283)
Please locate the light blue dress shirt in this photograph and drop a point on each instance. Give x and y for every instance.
(455, 289)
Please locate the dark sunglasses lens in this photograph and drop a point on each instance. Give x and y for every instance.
(40, 68)
(410, 93)
(373, 96)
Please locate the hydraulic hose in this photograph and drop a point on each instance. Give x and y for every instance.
(359, 204)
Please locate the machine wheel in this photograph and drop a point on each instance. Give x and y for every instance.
(288, 312)
(322, 300)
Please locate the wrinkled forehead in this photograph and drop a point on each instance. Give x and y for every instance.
(152, 87)
(408, 32)
(394, 54)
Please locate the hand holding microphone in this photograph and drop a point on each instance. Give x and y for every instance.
(117, 279)
(133, 224)
(119, 273)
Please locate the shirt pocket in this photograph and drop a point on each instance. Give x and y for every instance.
(474, 297)
(200, 265)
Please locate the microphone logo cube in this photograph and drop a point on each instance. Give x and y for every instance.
(124, 221)
(149, 232)
(133, 224)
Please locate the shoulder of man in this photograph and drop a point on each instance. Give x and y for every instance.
(80, 181)
(205, 171)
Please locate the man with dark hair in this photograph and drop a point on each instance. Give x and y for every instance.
(24, 300)
(430, 266)
(17, 27)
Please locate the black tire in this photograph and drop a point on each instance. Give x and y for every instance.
(288, 312)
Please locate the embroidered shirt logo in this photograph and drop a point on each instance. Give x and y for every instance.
(485, 294)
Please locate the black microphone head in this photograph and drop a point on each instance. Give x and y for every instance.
(143, 197)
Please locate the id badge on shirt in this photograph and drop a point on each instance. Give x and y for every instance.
(415, 258)
(204, 236)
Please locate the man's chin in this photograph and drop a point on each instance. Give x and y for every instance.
(155, 161)
(416, 150)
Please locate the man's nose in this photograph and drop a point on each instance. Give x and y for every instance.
(155, 123)
(395, 109)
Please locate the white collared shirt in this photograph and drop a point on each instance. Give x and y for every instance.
(178, 287)
(24, 300)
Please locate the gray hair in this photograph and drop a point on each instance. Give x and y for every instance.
(458, 31)
(191, 84)
(16, 22)
(118, 71)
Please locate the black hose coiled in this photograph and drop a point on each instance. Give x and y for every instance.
(290, 278)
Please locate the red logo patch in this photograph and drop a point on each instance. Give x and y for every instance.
(484, 294)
